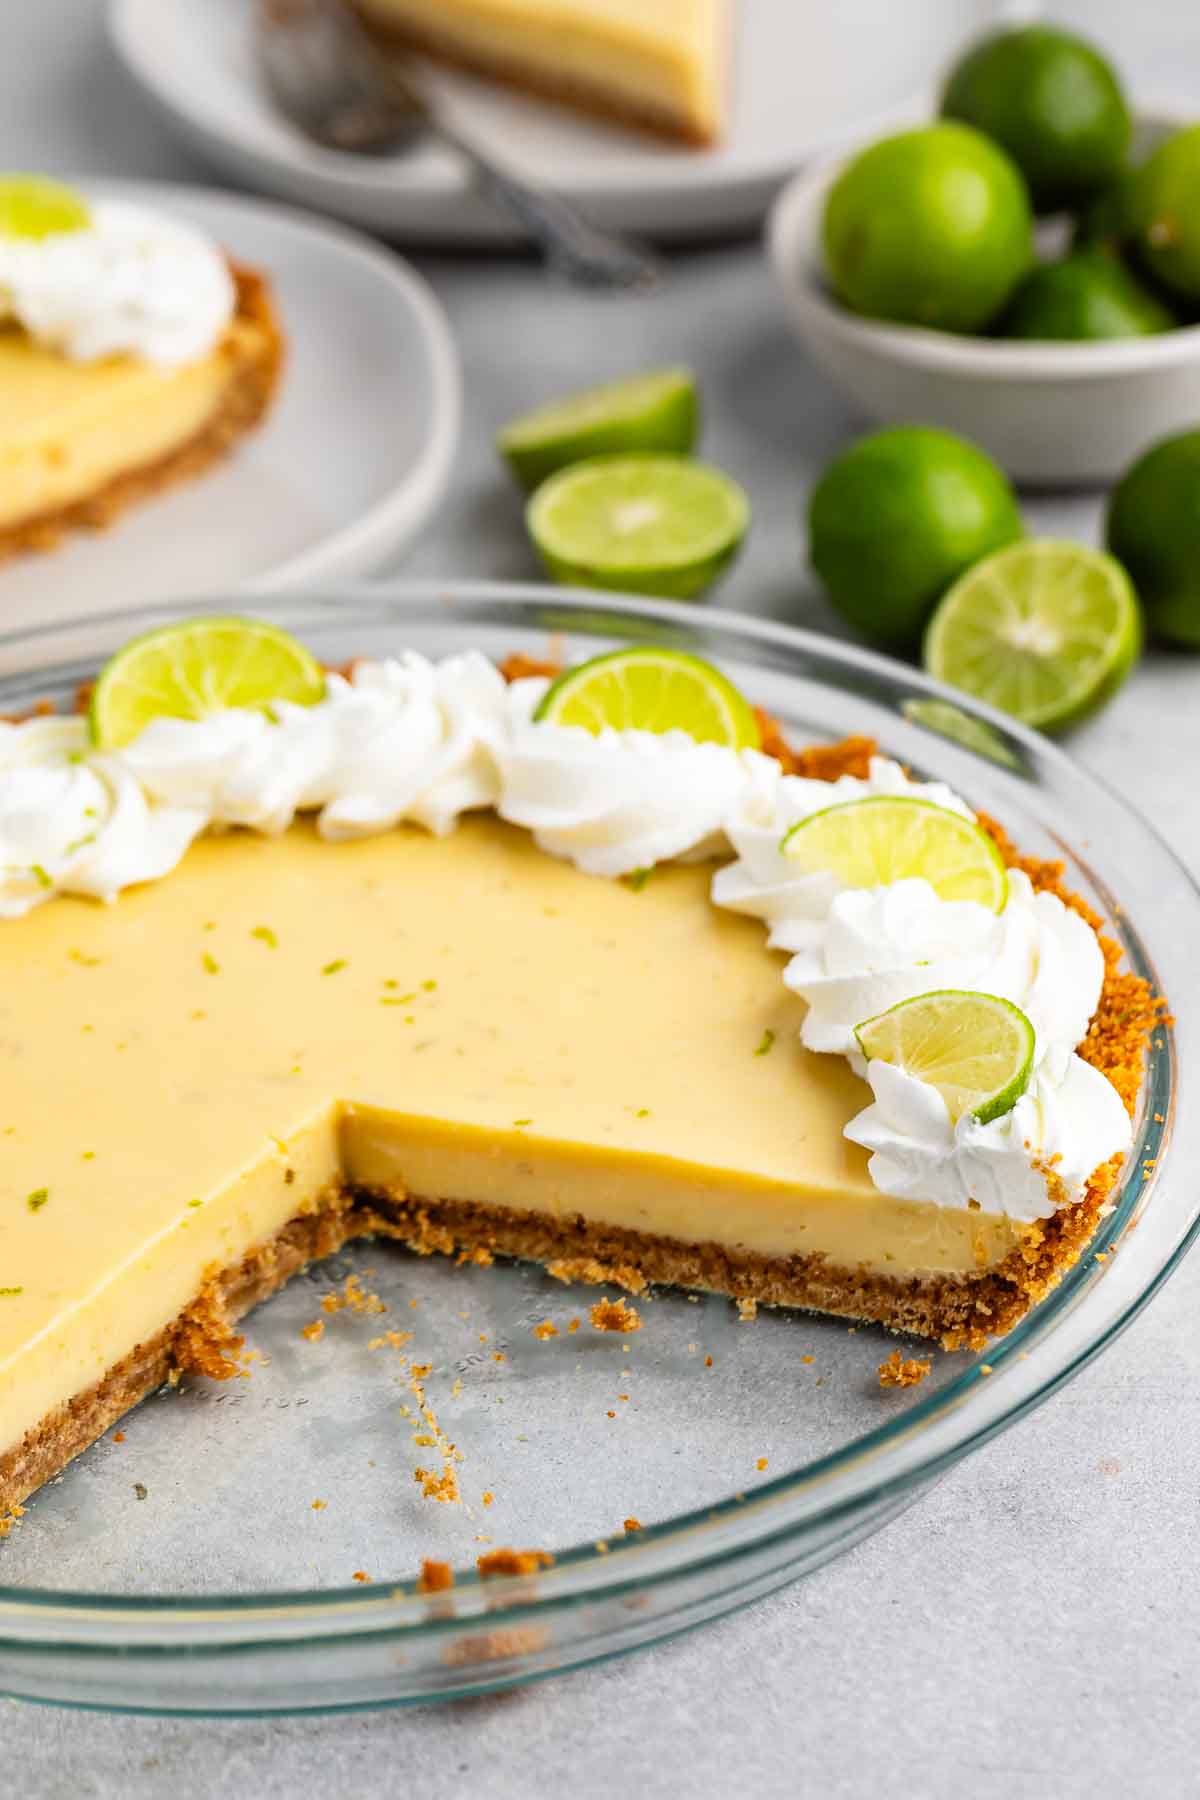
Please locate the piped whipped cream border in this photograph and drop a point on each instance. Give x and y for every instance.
(412, 740)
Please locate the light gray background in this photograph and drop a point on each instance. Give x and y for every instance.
(1033, 1627)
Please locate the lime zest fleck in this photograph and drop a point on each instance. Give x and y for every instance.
(765, 1042)
(210, 964)
(80, 843)
(85, 962)
(428, 986)
(195, 1203)
(87, 1156)
(40, 876)
(517, 1123)
(335, 967)
(266, 936)
(6, 1292)
(643, 1112)
(37, 1199)
(637, 878)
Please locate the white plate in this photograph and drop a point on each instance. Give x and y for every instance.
(806, 74)
(350, 463)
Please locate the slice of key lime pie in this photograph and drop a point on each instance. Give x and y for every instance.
(132, 355)
(428, 953)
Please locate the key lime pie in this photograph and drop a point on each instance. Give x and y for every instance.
(477, 961)
(132, 355)
(660, 64)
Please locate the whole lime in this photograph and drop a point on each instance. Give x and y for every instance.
(1165, 208)
(930, 227)
(1154, 529)
(1055, 104)
(1086, 295)
(898, 517)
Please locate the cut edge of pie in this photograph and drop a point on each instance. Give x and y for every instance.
(255, 347)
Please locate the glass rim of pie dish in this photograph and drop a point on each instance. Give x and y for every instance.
(301, 1649)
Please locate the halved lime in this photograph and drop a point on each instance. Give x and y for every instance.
(197, 667)
(659, 524)
(1044, 630)
(655, 411)
(975, 1049)
(652, 690)
(32, 206)
(871, 843)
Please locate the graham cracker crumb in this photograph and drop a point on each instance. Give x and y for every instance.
(442, 1487)
(512, 1562)
(747, 1310)
(314, 1330)
(319, 1505)
(488, 1496)
(591, 1273)
(360, 1575)
(632, 1524)
(547, 1329)
(614, 1315)
(435, 1577)
(902, 1372)
(761, 1464)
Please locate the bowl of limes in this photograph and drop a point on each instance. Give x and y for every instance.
(1024, 269)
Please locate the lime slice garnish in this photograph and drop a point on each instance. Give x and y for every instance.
(31, 206)
(197, 667)
(871, 843)
(659, 524)
(1044, 630)
(975, 1049)
(652, 690)
(655, 411)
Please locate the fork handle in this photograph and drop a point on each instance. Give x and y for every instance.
(572, 248)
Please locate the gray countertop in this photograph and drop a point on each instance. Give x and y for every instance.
(1033, 1626)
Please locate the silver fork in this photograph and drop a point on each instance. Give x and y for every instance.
(325, 73)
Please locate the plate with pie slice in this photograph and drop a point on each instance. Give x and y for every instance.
(198, 389)
(672, 119)
(479, 1196)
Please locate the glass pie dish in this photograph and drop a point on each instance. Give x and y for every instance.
(253, 1545)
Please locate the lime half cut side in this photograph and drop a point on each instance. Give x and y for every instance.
(873, 842)
(1044, 630)
(652, 690)
(33, 206)
(655, 411)
(975, 1049)
(655, 524)
(198, 667)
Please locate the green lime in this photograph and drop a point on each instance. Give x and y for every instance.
(1047, 631)
(1054, 103)
(1154, 528)
(197, 667)
(657, 524)
(32, 206)
(1086, 295)
(897, 517)
(1165, 209)
(656, 411)
(930, 227)
(652, 690)
(871, 843)
(975, 1049)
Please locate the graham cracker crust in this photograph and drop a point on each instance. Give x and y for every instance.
(257, 358)
(564, 90)
(956, 1310)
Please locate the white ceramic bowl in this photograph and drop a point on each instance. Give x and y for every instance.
(1052, 414)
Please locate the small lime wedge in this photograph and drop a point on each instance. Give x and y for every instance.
(655, 411)
(656, 524)
(32, 206)
(652, 690)
(197, 667)
(975, 1049)
(1045, 630)
(871, 843)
